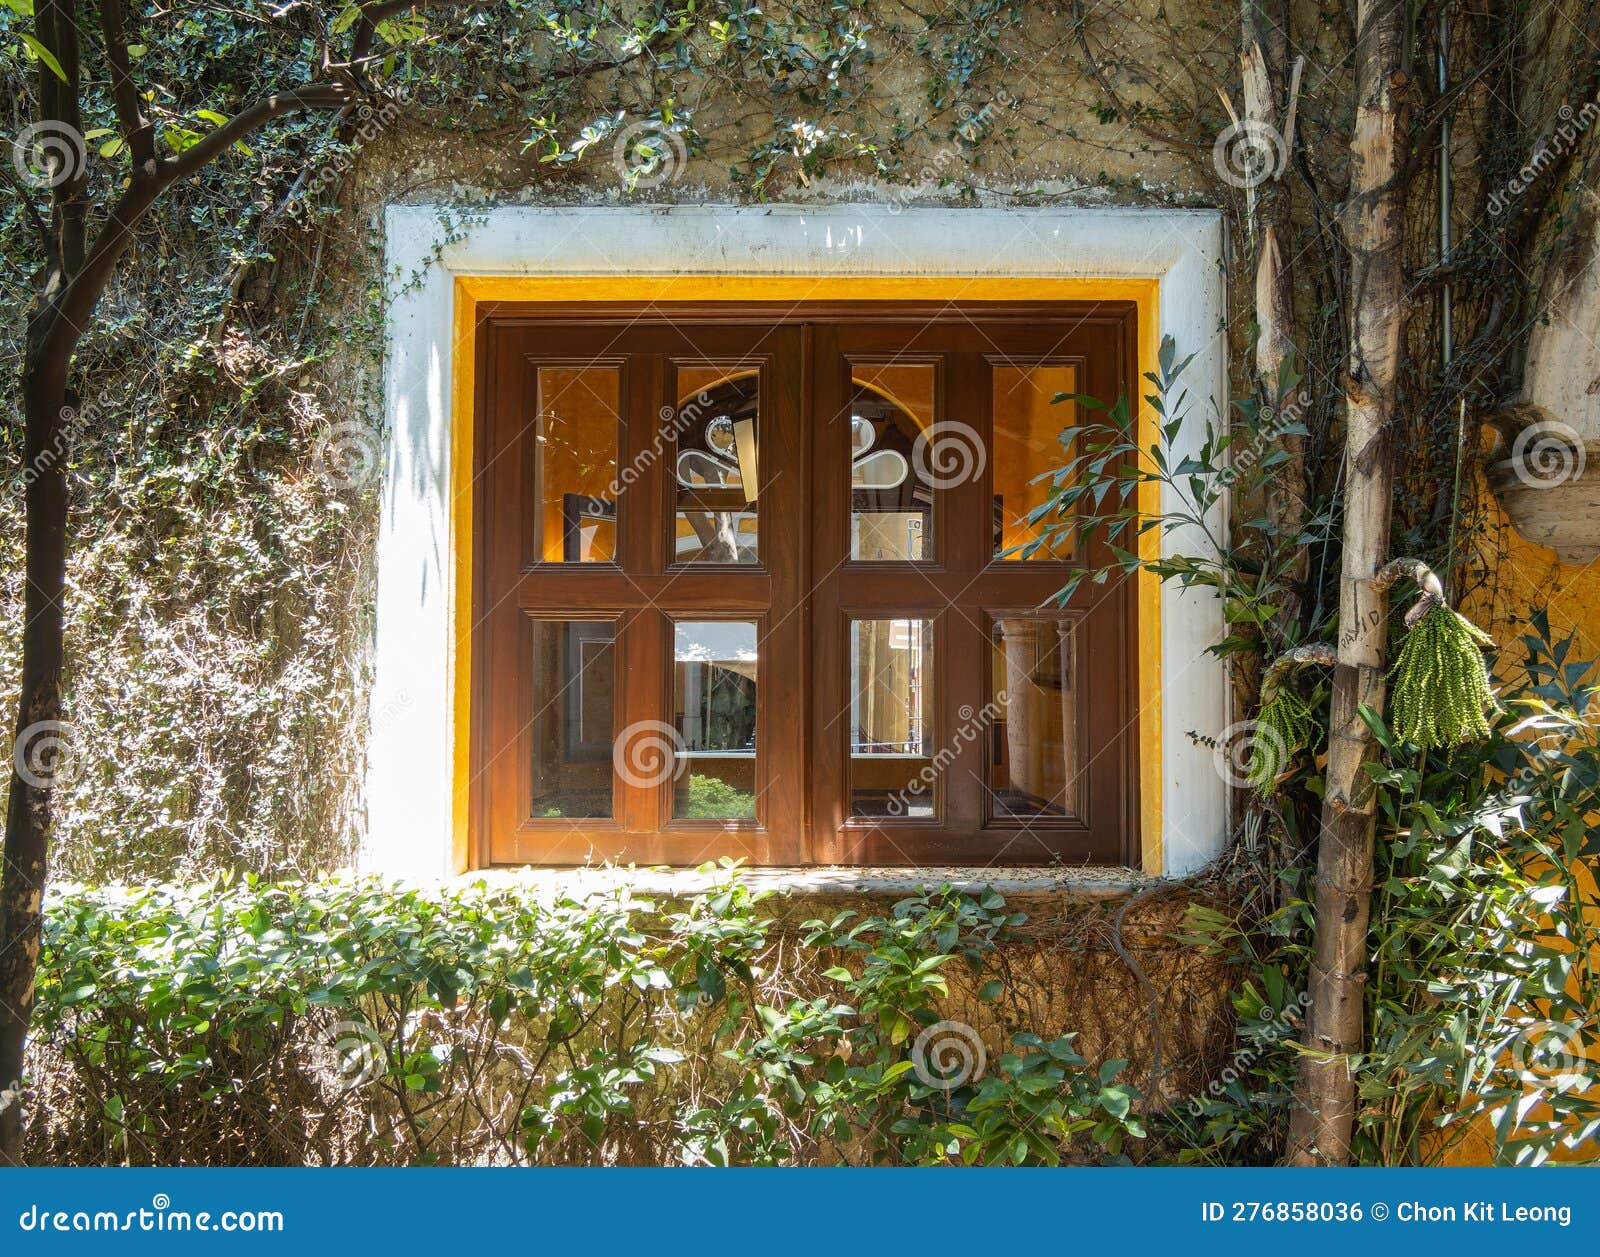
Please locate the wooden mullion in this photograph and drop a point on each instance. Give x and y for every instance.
(643, 676)
(963, 510)
(646, 469)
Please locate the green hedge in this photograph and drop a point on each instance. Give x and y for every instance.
(356, 1021)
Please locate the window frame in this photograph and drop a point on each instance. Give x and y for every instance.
(801, 794)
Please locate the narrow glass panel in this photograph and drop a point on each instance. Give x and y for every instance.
(1035, 759)
(891, 500)
(715, 465)
(1026, 445)
(575, 463)
(574, 671)
(714, 713)
(891, 718)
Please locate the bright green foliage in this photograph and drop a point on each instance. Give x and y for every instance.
(508, 1024)
(1440, 693)
(1483, 986)
(1284, 725)
(711, 798)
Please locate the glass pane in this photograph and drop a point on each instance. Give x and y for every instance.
(891, 501)
(1034, 755)
(716, 424)
(575, 463)
(714, 706)
(891, 718)
(1026, 428)
(574, 670)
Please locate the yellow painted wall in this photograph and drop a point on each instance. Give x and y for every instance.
(1521, 578)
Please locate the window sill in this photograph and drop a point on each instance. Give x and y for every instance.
(1093, 883)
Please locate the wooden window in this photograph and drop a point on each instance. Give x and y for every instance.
(746, 583)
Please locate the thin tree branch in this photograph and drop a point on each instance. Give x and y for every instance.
(136, 128)
(25, 199)
(1099, 75)
(374, 15)
(249, 120)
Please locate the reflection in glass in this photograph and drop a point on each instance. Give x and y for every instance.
(891, 718)
(574, 670)
(715, 468)
(1027, 426)
(891, 506)
(714, 706)
(1034, 756)
(575, 463)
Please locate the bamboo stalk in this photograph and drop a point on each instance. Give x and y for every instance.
(1325, 1096)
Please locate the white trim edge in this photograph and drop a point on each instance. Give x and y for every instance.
(410, 777)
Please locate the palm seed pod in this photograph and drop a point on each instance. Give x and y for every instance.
(1440, 695)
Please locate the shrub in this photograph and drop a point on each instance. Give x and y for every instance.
(363, 1022)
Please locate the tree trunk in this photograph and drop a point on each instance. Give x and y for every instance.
(41, 744)
(75, 279)
(1324, 1110)
(1270, 89)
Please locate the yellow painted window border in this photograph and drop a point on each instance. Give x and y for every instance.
(470, 290)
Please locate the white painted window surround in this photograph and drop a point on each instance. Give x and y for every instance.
(409, 789)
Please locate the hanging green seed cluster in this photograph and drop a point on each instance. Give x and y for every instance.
(1283, 726)
(1441, 692)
